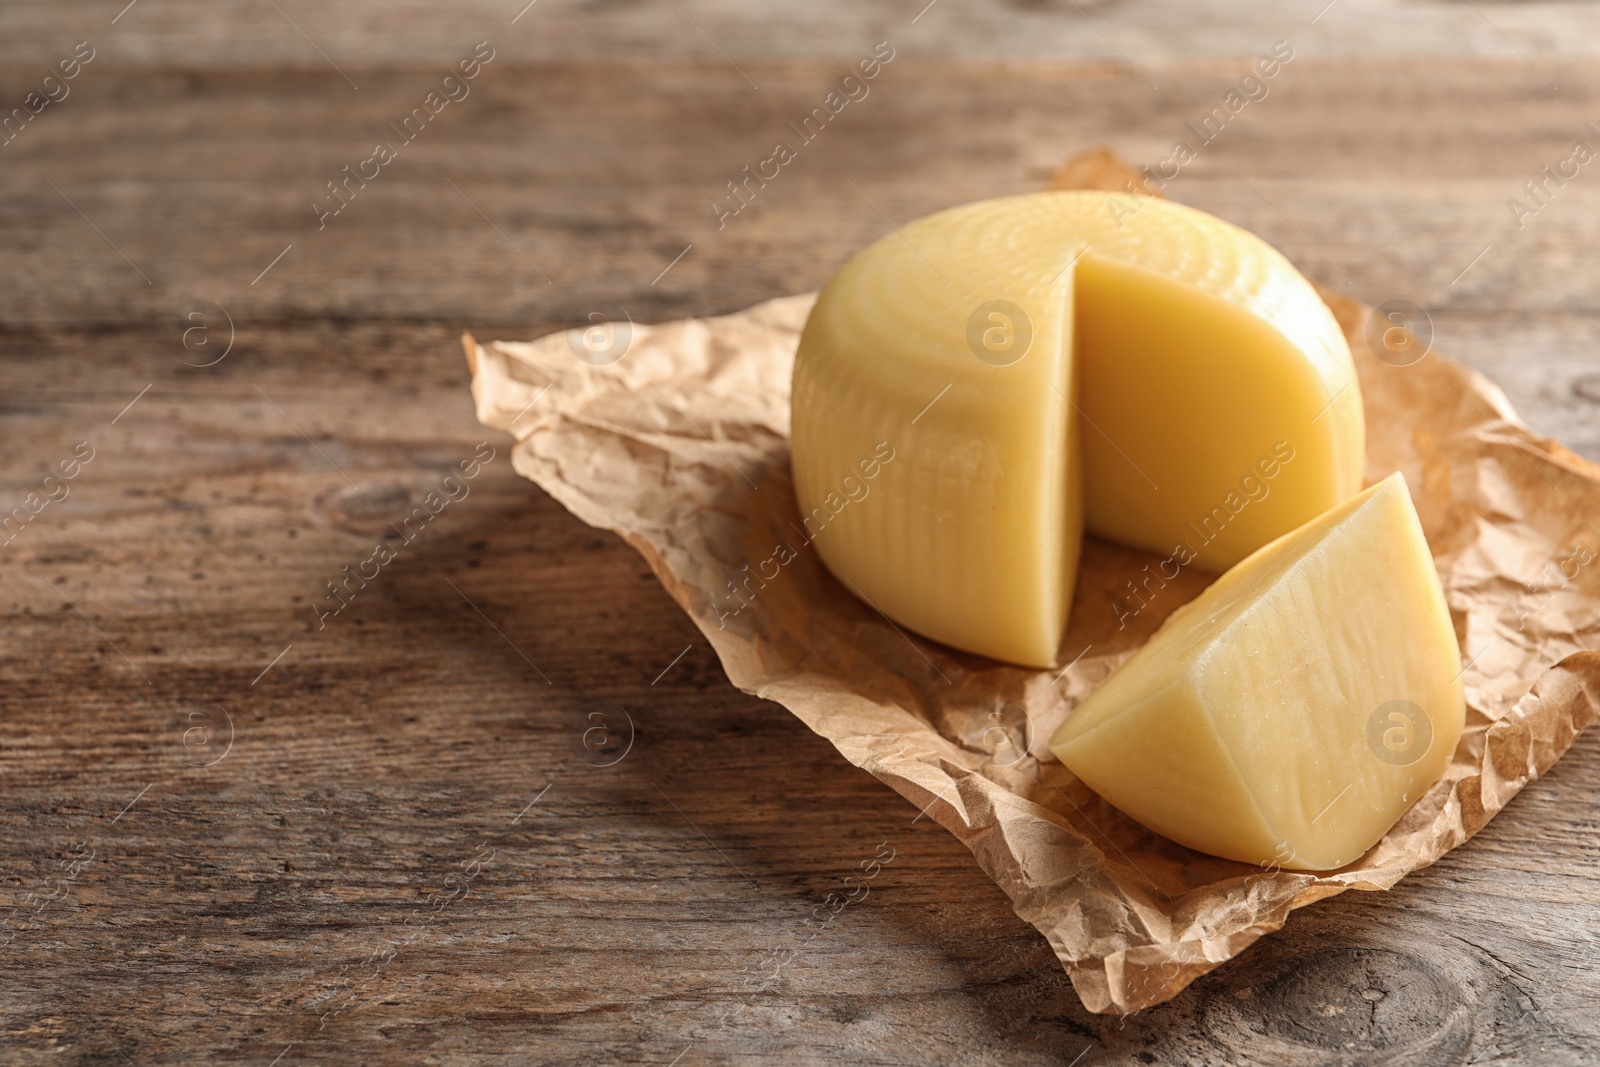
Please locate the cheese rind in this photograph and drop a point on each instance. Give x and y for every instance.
(1298, 707)
(970, 536)
(966, 344)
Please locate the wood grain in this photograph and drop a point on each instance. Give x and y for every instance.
(417, 847)
(1151, 33)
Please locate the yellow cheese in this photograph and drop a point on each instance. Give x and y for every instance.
(1037, 362)
(1295, 709)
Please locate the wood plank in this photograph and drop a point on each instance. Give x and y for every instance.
(662, 905)
(1150, 33)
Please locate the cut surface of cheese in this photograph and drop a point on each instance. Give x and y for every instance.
(1291, 713)
(1203, 416)
(1037, 362)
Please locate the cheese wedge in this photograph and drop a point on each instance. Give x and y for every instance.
(1038, 362)
(1294, 710)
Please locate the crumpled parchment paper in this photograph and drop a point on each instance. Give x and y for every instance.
(681, 446)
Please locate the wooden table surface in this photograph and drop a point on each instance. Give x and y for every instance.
(424, 831)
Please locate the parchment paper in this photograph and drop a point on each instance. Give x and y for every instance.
(681, 446)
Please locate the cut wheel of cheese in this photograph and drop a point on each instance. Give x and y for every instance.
(1037, 362)
(1295, 709)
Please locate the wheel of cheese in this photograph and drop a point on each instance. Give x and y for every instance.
(974, 390)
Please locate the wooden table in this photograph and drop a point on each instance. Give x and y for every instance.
(422, 831)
